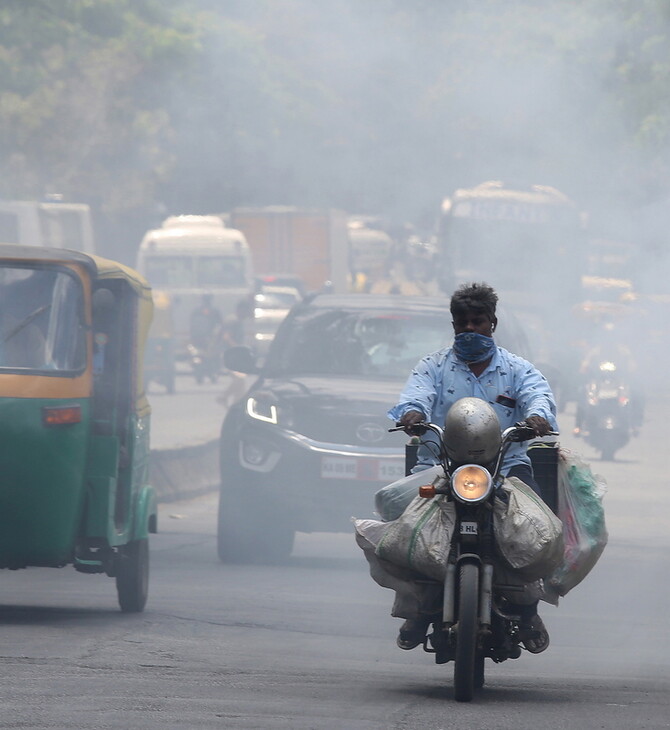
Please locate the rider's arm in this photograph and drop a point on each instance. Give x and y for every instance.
(534, 395)
(420, 390)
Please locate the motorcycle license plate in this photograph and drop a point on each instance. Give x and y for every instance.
(352, 467)
(469, 528)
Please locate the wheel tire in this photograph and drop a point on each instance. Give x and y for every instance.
(132, 576)
(466, 638)
(479, 678)
(249, 530)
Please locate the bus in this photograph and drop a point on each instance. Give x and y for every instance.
(190, 256)
(528, 243)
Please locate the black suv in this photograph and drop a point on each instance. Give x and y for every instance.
(308, 445)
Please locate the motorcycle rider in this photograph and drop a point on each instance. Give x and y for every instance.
(205, 322)
(474, 366)
(609, 347)
(234, 332)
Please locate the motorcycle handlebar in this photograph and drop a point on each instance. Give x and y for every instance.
(523, 432)
(517, 433)
(418, 429)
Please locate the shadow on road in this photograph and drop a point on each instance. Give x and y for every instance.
(40, 615)
(322, 563)
(523, 694)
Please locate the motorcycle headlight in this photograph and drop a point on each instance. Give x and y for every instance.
(261, 410)
(471, 483)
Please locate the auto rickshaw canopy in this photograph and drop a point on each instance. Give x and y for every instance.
(97, 270)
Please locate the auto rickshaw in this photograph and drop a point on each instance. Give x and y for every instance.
(159, 359)
(74, 419)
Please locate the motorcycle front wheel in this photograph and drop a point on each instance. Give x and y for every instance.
(466, 659)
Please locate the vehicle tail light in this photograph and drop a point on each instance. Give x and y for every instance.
(61, 415)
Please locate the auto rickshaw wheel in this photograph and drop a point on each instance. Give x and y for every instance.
(132, 575)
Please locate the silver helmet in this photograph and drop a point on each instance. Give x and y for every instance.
(472, 432)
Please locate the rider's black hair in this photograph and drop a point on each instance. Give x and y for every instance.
(477, 297)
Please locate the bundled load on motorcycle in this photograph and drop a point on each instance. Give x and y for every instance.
(466, 548)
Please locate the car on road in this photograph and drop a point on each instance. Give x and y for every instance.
(271, 305)
(308, 445)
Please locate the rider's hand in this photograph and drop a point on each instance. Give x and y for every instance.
(411, 418)
(540, 425)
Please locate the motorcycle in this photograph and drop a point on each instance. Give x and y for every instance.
(477, 620)
(205, 362)
(605, 412)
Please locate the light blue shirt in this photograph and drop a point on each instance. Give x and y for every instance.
(514, 388)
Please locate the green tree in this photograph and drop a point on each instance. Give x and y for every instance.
(82, 107)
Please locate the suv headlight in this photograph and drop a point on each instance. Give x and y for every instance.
(262, 410)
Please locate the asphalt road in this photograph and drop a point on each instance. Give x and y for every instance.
(190, 416)
(311, 645)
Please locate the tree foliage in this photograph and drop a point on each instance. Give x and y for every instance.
(79, 112)
(369, 105)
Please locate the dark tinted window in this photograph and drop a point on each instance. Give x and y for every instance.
(355, 343)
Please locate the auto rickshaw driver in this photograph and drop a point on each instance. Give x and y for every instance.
(21, 311)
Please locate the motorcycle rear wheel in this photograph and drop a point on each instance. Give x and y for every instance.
(607, 453)
(465, 659)
(479, 670)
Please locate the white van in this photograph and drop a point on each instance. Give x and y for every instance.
(57, 225)
(193, 255)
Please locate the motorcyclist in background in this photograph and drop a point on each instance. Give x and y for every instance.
(474, 366)
(610, 357)
(205, 322)
(205, 340)
(235, 331)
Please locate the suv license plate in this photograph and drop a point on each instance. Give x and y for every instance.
(369, 470)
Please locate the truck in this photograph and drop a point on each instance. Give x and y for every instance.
(310, 243)
(193, 256)
(370, 250)
(51, 223)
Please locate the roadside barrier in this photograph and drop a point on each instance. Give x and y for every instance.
(184, 472)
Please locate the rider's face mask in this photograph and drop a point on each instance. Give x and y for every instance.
(471, 347)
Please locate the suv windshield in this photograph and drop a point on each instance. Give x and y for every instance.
(357, 343)
(41, 320)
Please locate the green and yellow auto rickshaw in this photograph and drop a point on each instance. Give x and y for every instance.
(74, 419)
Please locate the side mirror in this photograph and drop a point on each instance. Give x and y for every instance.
(241, 359)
